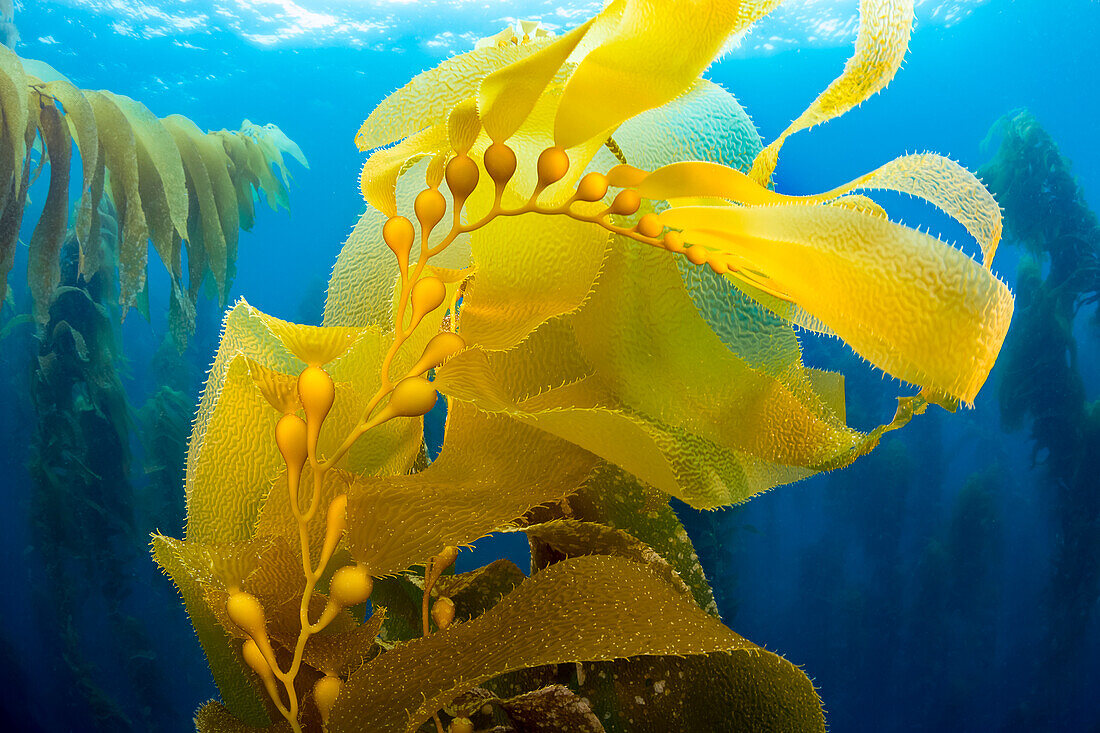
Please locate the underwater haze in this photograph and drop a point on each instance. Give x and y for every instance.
(947, 581)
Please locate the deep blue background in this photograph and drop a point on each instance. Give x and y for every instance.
(828, 571)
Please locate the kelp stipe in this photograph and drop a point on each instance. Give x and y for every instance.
(554, 187)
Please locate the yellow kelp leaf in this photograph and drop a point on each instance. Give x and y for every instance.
(280, 390)
(81, 120)
(491, 472)
(881, 44)
(913, 306)
(637, 377)
(463, 126)
(477, 591)
(429, 97)
(378, 179)
(205, 222)
(504, 303)
(13, 104)
(587, 608)
(934, 178)
(507, 96)
(653, 54)
(232, 461)
(235, 684)
(119, 149)
(43, 267)
(345, 652)
(227, 485)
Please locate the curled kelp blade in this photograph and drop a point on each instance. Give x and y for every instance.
(881, 44)
(910, 304)
(587, 608)
(936, 179)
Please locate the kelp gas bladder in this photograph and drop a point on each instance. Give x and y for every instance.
(629, 291)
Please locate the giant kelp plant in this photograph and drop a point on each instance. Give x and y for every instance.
(606, 292)
(143, 180)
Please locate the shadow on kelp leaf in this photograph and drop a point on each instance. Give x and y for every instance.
(590, 373)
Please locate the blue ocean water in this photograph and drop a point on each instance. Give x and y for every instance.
(937, 585)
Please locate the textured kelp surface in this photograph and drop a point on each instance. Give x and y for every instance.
(603, 342)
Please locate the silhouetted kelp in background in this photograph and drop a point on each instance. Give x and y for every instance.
(1041, 384)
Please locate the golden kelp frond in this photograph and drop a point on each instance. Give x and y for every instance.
(881, 45)
(913, 306)
(939, 180)
(651, 55)
(428, 99)
(227, 487)
(479, 484)
(587, 608)
(13, 104)
(214, 717)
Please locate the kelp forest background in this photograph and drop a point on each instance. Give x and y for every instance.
(947, 581)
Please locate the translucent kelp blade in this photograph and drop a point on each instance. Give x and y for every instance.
(491, 472)
(913, 306)
(378, 179)
(316, 345)
(119, 149)
(653, 54)
(81, 120)
(881, 44)
(504, 303)
(226, 486)
(722, 692)
(43, 267)
(651, 388)
(165, 157)
(429, 97)
(588, 608)
(204, 205)
(934, 178)
(507, 96)
(13, 104)
(243, 697)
